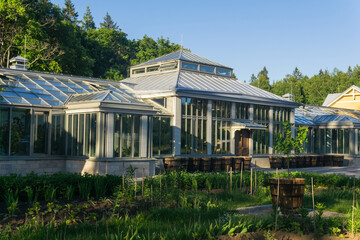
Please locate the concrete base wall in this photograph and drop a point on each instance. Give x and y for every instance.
(51, 166)
(261, 161)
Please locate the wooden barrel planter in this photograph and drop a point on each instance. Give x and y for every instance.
(320, 161)
(292, 162)
(172, 164)
(247, 162)
(184, 161)
(328, 160)
(225, 163)
(205, 164)
(236, 163)
(194, 164)
(300, 161)
(291, 192)
(307, 161)
(216, 164)
(275, 162)
(338, 161)
(313, 161)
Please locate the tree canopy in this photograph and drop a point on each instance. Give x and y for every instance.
(58, 42)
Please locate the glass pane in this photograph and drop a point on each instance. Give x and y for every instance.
(126, 137)
(136, 135)
(207, 69)
(81, 134)
(117, 124)
(74, 146)
(87, 135)
(15, 100)
(334, 141)
(166, 136)
(40, 133)
(347, 133)
(189, 66)
(20, 132)
(9, 94)
(58, 135)
(70, 138)
(156, 140)
(93, 135)
(223, 71)
(4, 131)
(36, 101)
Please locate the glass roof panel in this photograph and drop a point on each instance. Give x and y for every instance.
(40, 82)
(48, 87)
(56, 93)
(28, 95)
(63, 99)
(54, 102)
(20, 90)
(36, 101)
(16, 100)
(46, 97)
(40, 91)
(9, 94)
(31, 85)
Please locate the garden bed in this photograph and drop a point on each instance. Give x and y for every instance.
(175, 205)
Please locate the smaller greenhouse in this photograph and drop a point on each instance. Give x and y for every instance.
(52, 123)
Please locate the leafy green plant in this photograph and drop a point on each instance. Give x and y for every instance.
(100, 187)
(50, 193)
(268, 235)
(85, 190)
(286, 143)
(12, 201)
(69, 193)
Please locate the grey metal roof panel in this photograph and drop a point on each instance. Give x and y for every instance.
(218, 84)
(160, 81)
(330, 97)
(183, 55)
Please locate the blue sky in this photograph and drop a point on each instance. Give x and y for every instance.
(246, 35)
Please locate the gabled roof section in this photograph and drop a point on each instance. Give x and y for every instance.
(182, 55)
(333, 98)
(330, 98)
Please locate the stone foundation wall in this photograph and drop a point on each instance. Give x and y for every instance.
(51, 166)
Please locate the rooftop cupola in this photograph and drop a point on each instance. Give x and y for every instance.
(289, 97)
(19, 63)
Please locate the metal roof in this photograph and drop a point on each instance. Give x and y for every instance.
(189, 81)
(330, 98)
(182, 55)
(100, 96)
(37, 89)
(315, 115)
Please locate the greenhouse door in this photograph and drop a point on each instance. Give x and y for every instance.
(242, 142)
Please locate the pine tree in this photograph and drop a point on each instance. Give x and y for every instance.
(88, 20)
(69, 12)
(109, 23)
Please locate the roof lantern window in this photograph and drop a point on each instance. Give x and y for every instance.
(207, 69)
(168, 66)
(153, 68)
(222, 71)
(190, 66)
(138, 71)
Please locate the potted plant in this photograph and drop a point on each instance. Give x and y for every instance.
(291, 190)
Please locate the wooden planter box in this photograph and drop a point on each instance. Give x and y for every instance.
(236, 163)
(194, 164)
(275, 162)
(216, 164)
(205, 164)
(291, 192)
(225, 163)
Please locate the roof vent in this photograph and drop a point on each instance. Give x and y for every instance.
(19, 63)
(289, 97)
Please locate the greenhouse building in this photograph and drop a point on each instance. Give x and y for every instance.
(179, 104)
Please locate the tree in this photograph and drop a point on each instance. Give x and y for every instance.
(286, 143)
(109, 23)
(88, 20)
(262, 80)
(69, 12)
(12, 17)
